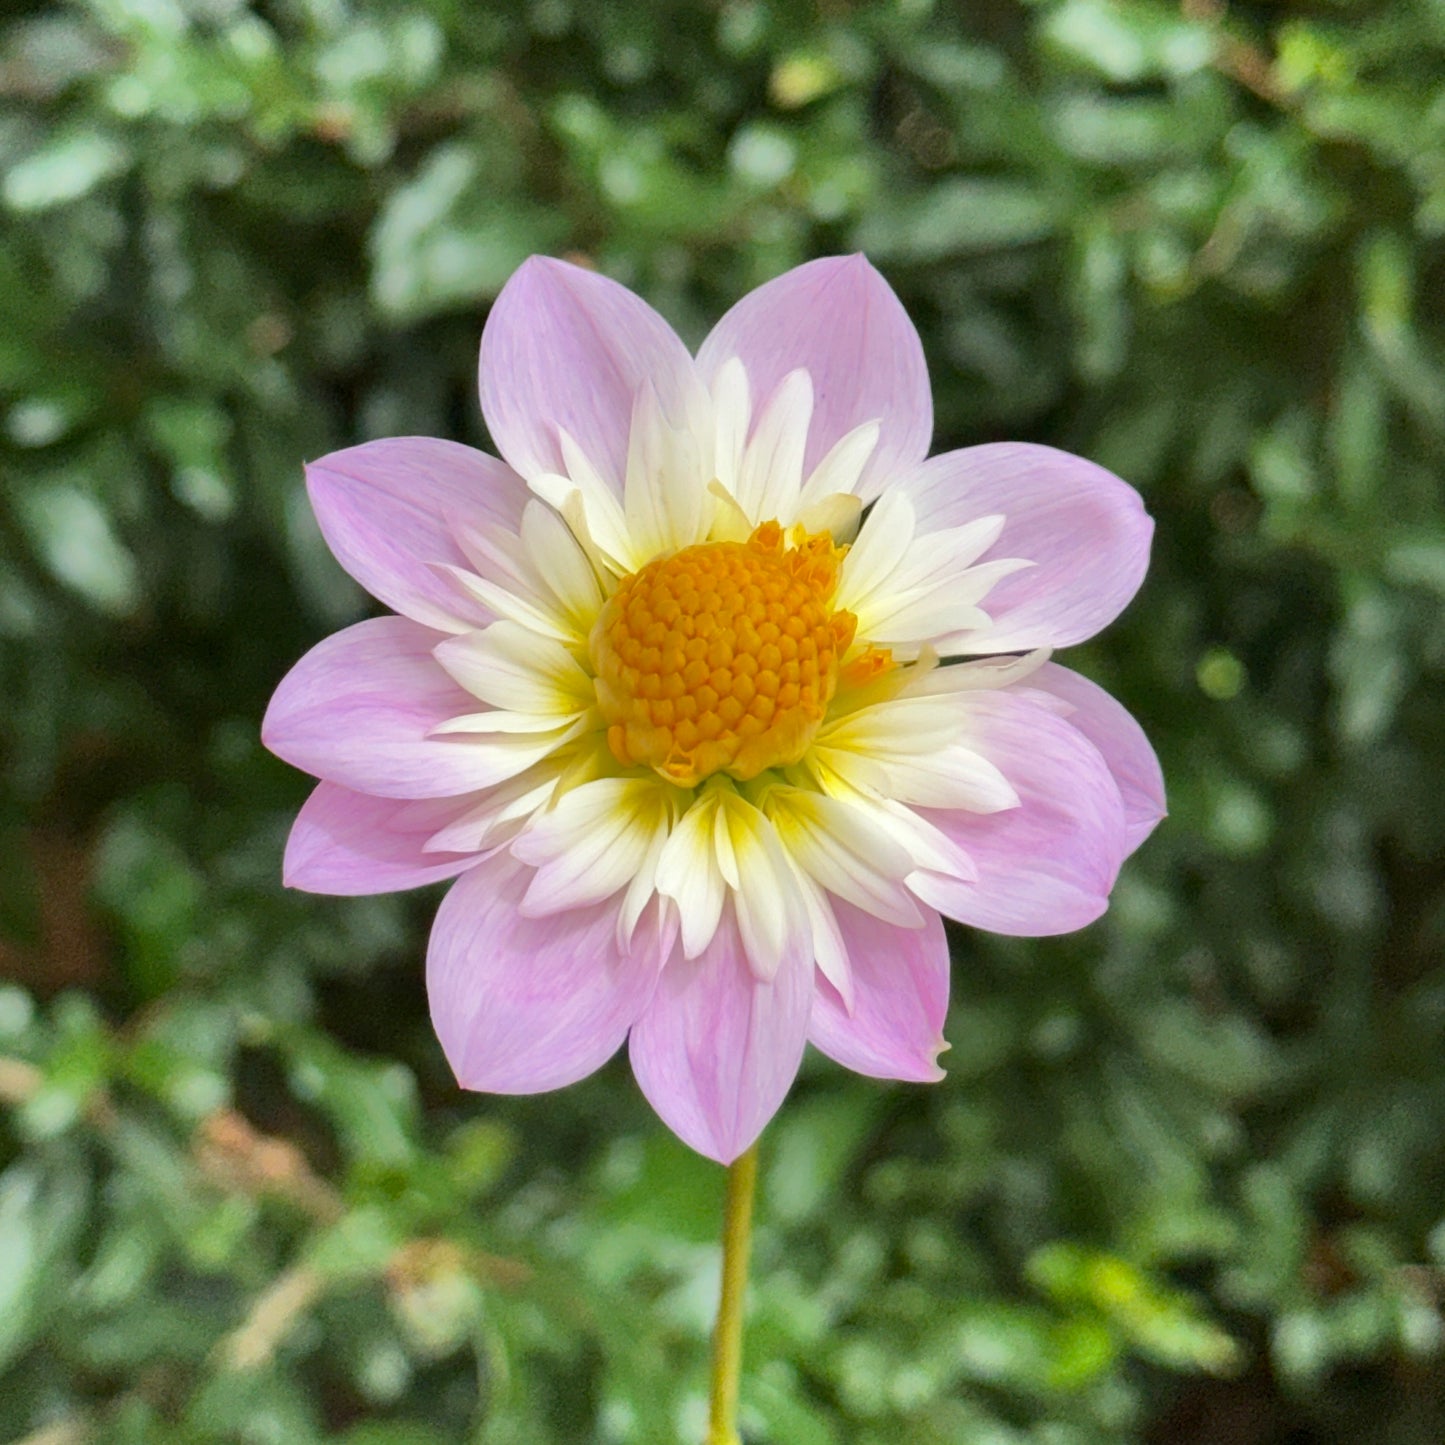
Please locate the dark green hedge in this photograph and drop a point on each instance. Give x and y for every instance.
(1184, 1182)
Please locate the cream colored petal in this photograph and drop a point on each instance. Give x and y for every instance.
(772, 920)
(688, 873)
(882, 542)
(833, 843)
(497, 721)
(504, 807)
(729, 522)
(904, 723)
(589, 844)
(644, 883)
(914, 749)
(985, 674)
(771, 476)
(665, 502)
(722, 839)
(497, 756)
(559, 562)
(543, 618)
(908, 590)
(605, 521)
(840, 469)
(510, 666)
(496, 553)
(928, 847)
(839, 514)
(732, 414)
(953, 777)
(830, 949)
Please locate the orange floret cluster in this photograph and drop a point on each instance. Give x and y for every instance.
(722, 657)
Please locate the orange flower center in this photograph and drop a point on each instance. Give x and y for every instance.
(723, 657)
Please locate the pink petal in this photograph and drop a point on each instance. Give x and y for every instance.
(522, 1005)
(840, 319)
(388, 509)
(348, 843)
(716, 1050)
(900, 986)
(1085, 531)
(1046, 866)
(564, 347)
(357, 708)
(1110, 727)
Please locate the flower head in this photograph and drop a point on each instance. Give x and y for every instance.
(714, 695)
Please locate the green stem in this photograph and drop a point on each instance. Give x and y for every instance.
(727, 1339)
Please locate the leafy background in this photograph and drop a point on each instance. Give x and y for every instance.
(1184, 1182)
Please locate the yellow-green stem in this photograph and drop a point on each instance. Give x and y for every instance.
(727, 1339)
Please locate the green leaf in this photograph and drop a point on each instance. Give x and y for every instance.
(446, 238)
(75, 535)
(1158, 1321)
(358, 1246)
(1128, 42)
(957, 218)
(41, 1214)
(63, 170)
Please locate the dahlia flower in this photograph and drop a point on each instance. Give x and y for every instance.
(714, 695)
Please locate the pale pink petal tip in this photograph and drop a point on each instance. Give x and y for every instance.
(1083, 530)
(1048, 865)
(350, 844)
(359, 709)
(900, 981)
(390, 511)
(1110, 727)
(567, 349)
(838, 319)
(523, 1005)
(716, 1050)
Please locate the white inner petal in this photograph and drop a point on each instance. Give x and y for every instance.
(979, 674)
(591, 843)
(830, 948)
(664, 506)
(838, 473)
(732, 414)
(509, 666)
(561, 565)
(915, 750)
(770, 479)
(834, 845)
(530, 611)
(688, 874)
(509, 803)
(909, 591)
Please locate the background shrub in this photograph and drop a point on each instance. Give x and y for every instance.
(1183, 1183)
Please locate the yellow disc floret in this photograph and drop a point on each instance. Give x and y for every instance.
(722, 657)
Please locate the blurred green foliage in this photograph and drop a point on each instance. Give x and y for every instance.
(1184, 1182)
